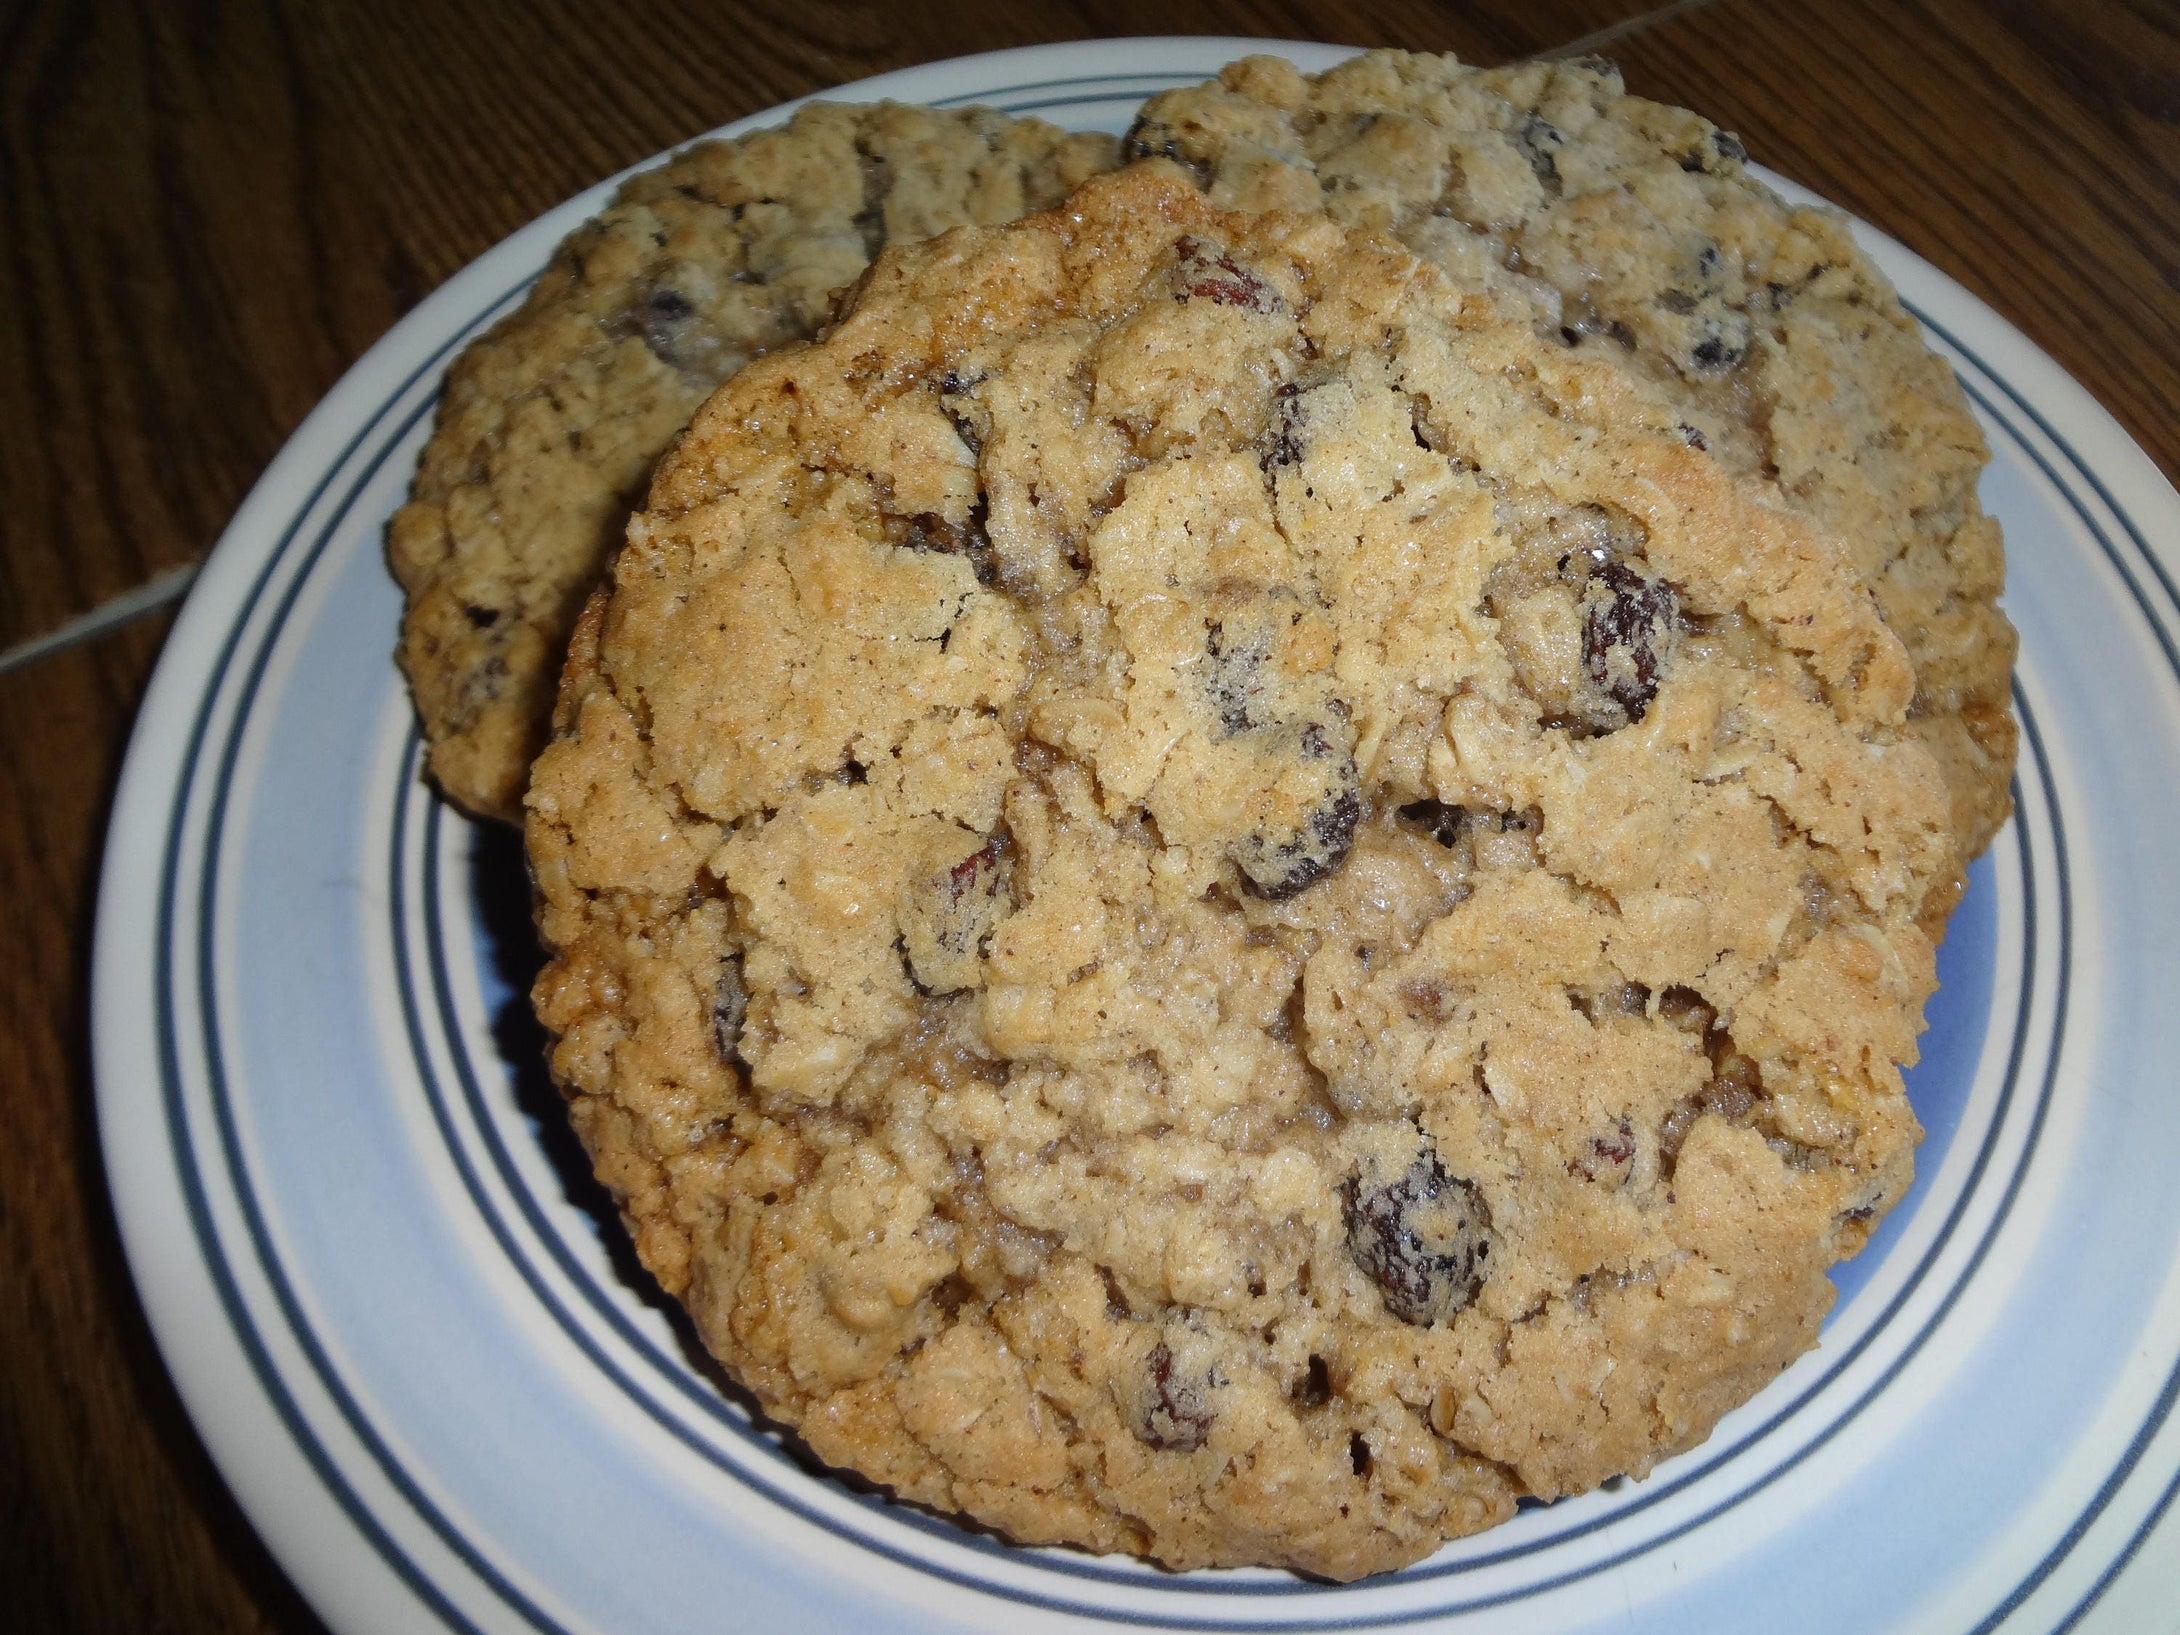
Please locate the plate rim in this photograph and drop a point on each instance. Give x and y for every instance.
(212, 621)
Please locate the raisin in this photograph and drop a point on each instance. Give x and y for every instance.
(1283, 443)
(1278, 869)
(1419, 424)
(1423, 1240)
(1235, 676)
(1715, 352)
(1723, 145)
(730, 1003)
(1618, 1148)
(973, 871)
(1150, 138)
(1305, 814)
(1694, 438)
(1204, 272)
(669, 324)
(1117, 1308)
(1148, 141)
(1607, 1158)
(1626, 620)
(946, 917)
(1584, 320)
(1736, 1085)
(1541, 141)
(928, 531)
(484, 618)
(1677, 301)
(668, 306)
(1179, 1416)
(958, 384)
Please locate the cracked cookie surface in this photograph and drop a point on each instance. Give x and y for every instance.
(551, 423)
(1206, 901)
(1632, 230)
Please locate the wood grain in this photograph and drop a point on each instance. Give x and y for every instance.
(211, 208)
(111, 1517)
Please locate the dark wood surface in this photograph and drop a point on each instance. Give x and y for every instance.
(209, 210)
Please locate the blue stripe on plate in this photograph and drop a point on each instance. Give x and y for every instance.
(2163, 1406)
(1108, 88)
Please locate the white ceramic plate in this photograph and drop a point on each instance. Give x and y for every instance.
(379, 1272)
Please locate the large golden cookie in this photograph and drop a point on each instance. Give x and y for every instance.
(1207, 901)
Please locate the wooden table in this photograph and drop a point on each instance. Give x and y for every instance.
(207, 213)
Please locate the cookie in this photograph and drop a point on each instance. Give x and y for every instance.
(1634, 231)
(551, 423)
(1205, 901)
